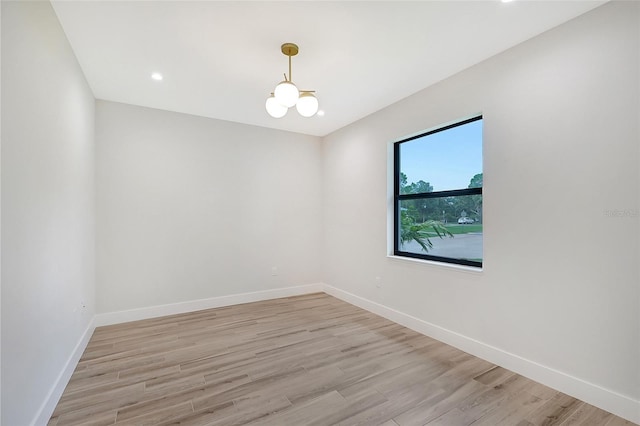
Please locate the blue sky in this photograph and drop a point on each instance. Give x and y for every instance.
(447, 159)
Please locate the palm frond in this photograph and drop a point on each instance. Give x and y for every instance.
(411, 231)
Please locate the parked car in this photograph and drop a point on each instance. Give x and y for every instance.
(465, 220)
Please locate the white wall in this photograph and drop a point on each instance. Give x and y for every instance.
(560, 285)
(0, 220)
(192, 208)
(47, 207)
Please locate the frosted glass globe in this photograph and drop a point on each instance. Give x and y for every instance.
(274, 108)
(307, 105)
(286, 93)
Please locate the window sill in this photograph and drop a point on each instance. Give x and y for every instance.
(461, 268)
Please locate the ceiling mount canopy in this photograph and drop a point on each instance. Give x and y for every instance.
(286, 94)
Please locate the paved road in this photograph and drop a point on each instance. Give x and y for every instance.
(461, 246)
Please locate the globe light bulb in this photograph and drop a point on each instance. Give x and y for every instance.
(307, 105)
(275, 108)
(286, 93)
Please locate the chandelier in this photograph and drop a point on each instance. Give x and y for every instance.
(286, 94)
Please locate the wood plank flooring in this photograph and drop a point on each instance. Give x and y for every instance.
(307, 360)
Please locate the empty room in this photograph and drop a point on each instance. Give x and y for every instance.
(274, 213)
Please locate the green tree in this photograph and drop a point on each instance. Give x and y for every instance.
(419, 210)
(475, 182)
(422, 208)
(413, 187)
(420, 187)
(403, 183)
(476, 200)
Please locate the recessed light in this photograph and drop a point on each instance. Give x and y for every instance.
(507, 1)
(320, 113)
(156, 76)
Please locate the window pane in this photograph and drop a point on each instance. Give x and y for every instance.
(459, 215)
(442, 161)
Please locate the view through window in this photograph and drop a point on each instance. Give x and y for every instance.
(438, 194)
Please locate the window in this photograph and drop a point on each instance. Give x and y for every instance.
(438, 194)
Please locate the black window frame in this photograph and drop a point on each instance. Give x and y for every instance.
(398, 197)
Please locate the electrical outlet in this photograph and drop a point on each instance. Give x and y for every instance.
(378, 282)
(274, 271)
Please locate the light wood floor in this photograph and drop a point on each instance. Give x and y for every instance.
(308, 360)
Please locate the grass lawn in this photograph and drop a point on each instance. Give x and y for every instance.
(463, 229)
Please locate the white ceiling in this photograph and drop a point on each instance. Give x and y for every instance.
(221, 59)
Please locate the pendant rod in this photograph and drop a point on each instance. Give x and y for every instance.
(289, 49)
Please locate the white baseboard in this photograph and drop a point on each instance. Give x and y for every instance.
(198, 305)
(605, 399)
(49, 405)
(608, 400)
(46, 409)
